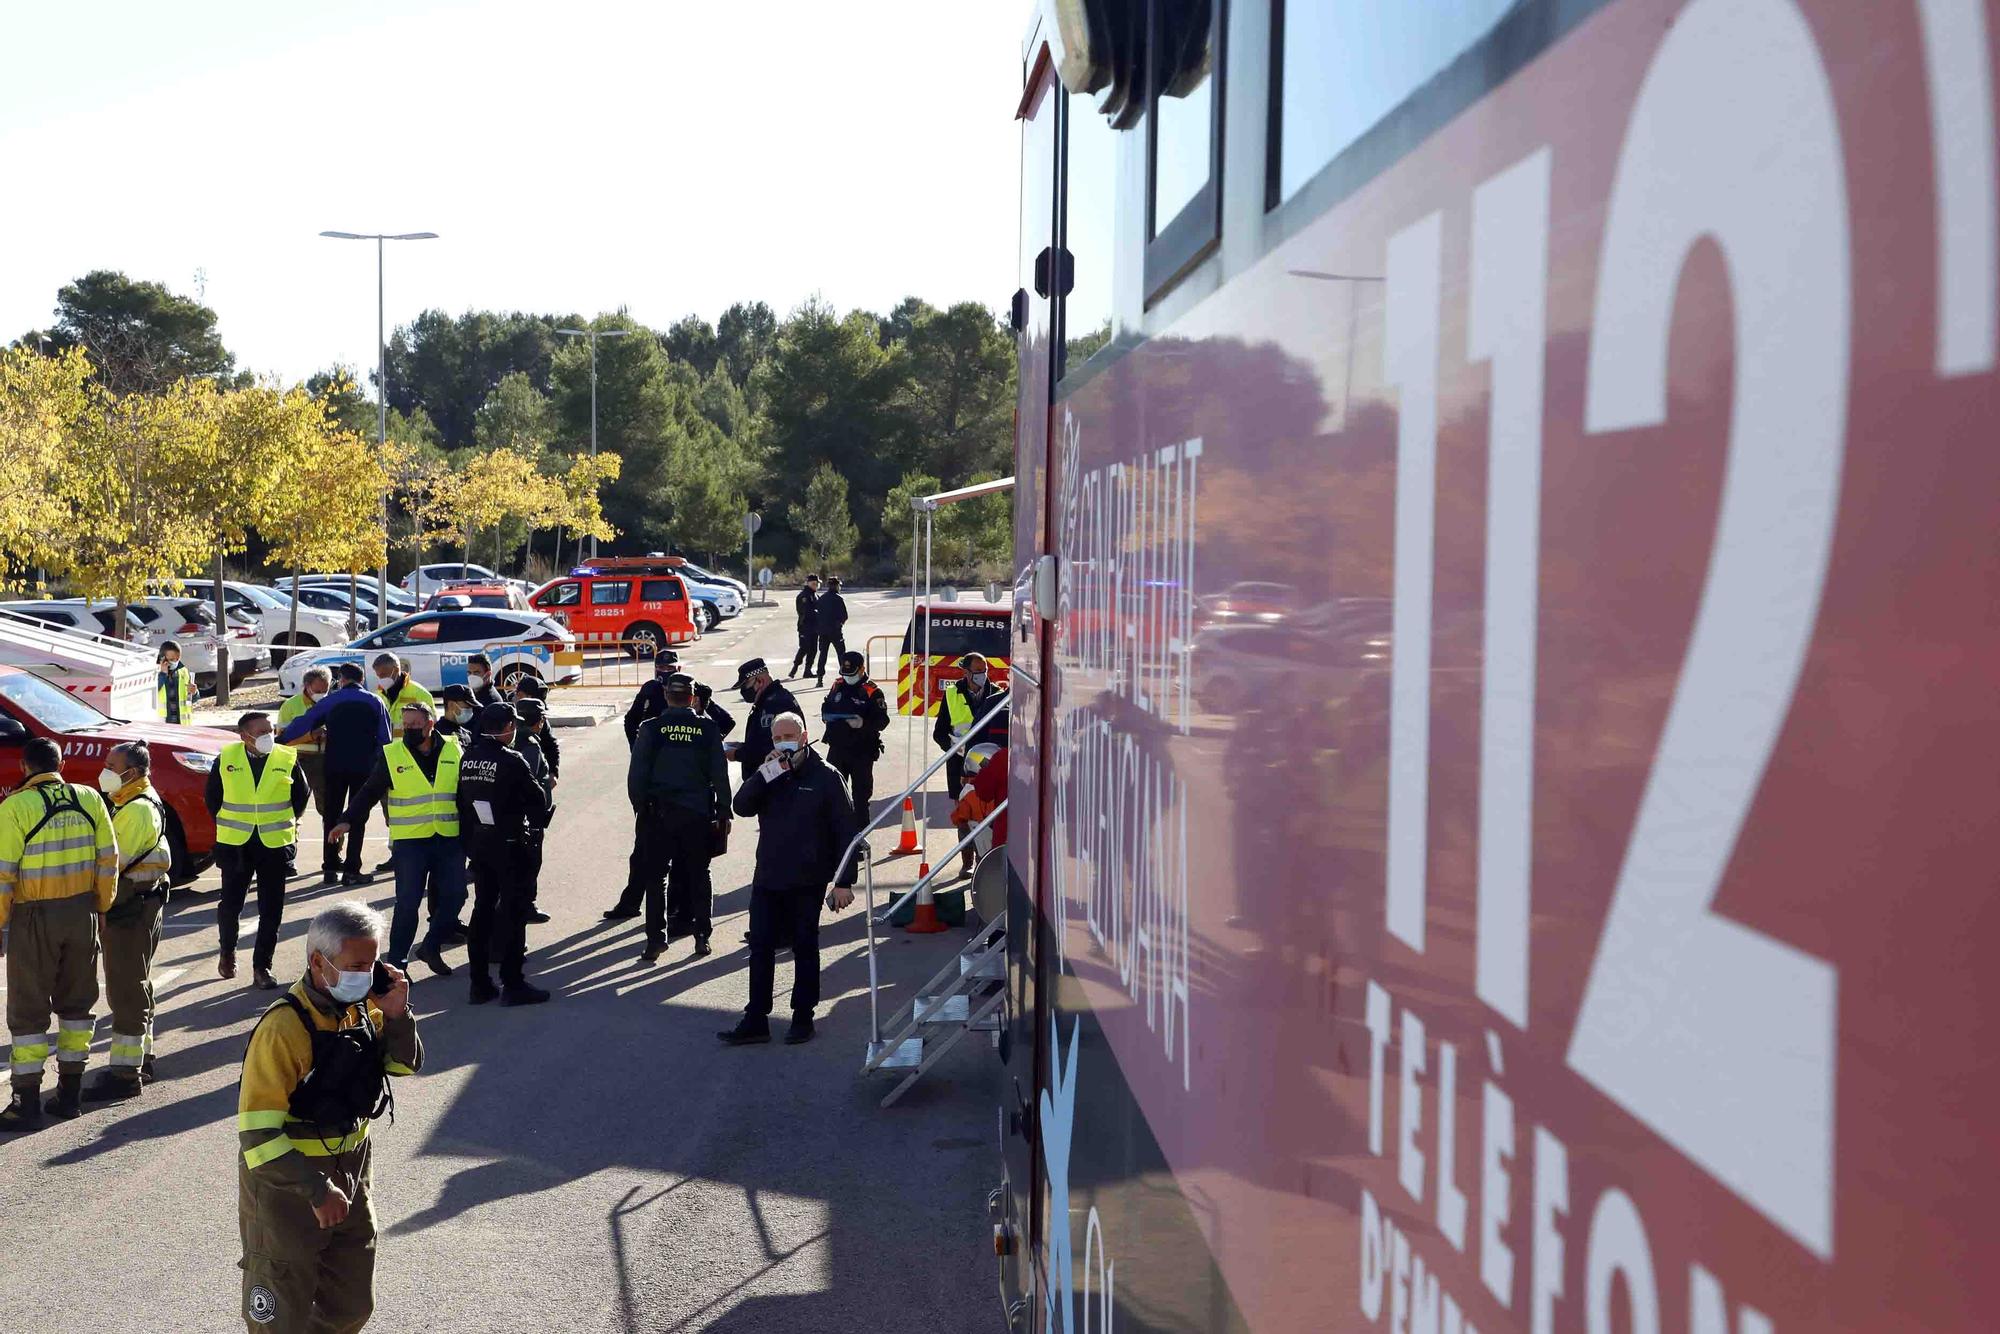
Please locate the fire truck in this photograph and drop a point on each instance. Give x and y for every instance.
(1504, 663)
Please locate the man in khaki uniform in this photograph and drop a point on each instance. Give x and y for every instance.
(131, 930)
(314, 1078)
(58, 871)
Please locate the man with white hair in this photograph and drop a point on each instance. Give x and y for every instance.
(804, 824)
(315, 1075)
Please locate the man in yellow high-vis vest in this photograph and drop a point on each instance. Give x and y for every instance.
(173, 691)
(966, 701)
(315, 1077)
(131, 929)
(58, 871)
(417, 782)
(256, 792)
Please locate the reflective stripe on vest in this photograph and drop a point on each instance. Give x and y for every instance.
(184, 687)
(58, 848)
(263, 808)
(420, 807)
(960, 709)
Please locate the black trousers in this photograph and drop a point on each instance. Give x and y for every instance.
(340, 792)
(808, 641)
(837, 641)
(636, 870)
(239, 866)
(673, 845)
(787, 917)
(502, 897)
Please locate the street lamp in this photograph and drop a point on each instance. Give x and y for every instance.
(381, 387)
(592, 335)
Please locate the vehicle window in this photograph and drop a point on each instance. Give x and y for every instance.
(1330, 93)
(1183, 142)
(1089, 230)
(279, 600)
(610, 592)
(660, 590)
(1183, 133)
(471, 628)
(51, 706)
(415, 630)
(198, 612)
(109, 621)
(142, 614)
(563, 595)
(46, 617)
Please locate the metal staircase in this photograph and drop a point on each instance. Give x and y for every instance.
(966, 995)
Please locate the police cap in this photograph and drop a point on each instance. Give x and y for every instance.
(496, 718)
(531, 710)
(455, 695)
(746, 670)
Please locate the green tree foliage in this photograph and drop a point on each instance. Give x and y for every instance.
(139, 336)
(958, 392)
(693, 340)
(744, 337)
(516, 415)
(448, 366)
(830, 391)
(898, 509)
(822, 519)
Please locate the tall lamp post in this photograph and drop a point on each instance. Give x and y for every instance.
(381, 388)
(593, 335)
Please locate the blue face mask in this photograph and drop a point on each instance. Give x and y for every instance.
(787, 746)
(350, 987)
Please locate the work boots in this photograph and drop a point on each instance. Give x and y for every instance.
(111, 1086)
(522, 993)
(24, 1113)
(67, 1105)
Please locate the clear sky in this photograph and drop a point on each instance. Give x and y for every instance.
(671, 156)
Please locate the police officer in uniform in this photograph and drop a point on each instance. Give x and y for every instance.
(131, 929)
(58, 871)
(479, 680)
(679, 785)
(807, 605)
(853, 719)
(256, 792)
(537, 747)
(456, 711)
(500, 805)
(767, 699)
(651, 697)
(966, 701)
(830, 616)
(704, 704)
(314, 1077)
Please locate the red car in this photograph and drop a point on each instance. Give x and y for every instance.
(182, 757)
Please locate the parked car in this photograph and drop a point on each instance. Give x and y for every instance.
(436, 645)
(335, 602)
(713, 603)
(92, 618)
(398, 602)
(271, 609)
(182, 757)
(189, 622)
(635, 599)
(689, 570)
(457, 597)
(424, 580)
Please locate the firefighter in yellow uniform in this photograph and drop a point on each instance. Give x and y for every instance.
(58, 871)
(315, 1075)
(131, 930)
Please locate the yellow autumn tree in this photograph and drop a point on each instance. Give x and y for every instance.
(43, 401)
(323, 508)
(582, 511)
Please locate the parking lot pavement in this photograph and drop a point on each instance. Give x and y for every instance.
(599, 1163)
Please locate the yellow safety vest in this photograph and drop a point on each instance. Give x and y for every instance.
(960, 709)
(420, 807)
(184, 686)
(55, 843)
(262, 807)
(411, 693)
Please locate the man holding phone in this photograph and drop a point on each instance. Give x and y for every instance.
(314, 1078)
(804, 823)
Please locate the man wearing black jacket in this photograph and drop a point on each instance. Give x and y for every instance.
(806, 603)
(679, 785)
(500, 805)
(529, 686)
(532, 739)
(854, 716)
(767, 699)
(804, 823)
(966, 701)
(704, 704)
(651, 699)
(357, 728)
(829, 619)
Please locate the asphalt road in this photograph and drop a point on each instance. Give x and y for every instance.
(598, 1163)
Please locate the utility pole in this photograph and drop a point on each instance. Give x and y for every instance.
(381, 382)
(593, 334)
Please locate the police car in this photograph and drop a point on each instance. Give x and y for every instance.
(436, 645)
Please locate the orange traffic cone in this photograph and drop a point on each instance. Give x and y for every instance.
(908, 842)
(925, 922)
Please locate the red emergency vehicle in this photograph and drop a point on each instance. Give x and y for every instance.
(639, 602)
(1570, 425)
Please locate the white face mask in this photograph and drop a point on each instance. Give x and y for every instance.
(110, 780)
(461, 715)
(977, 680)
(387, 679)
(852, 678)
(350, 987)
(315, 695)
(475, 679)
(263, 744)
(787, 746)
